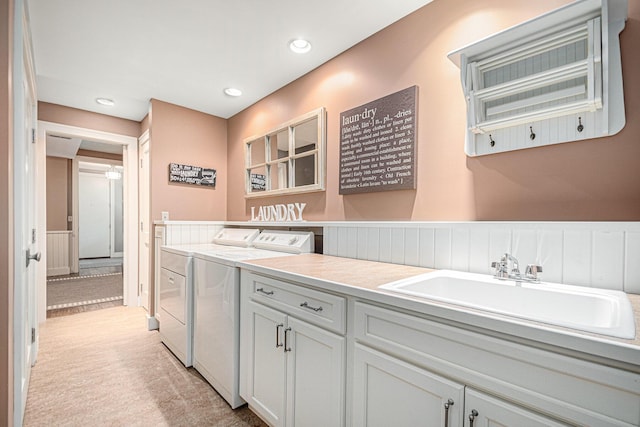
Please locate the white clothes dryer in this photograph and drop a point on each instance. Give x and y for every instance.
(216, 343)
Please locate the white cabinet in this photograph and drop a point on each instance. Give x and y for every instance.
(315, 375)
(483, 410)
(302, 364)
(390, 392)
(553, 79)
(267, 372)
(413, 359)
(176, 304)
(293, 370)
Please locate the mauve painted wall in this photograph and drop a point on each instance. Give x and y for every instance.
(595, 180)
(181, 135)
(86, 119)
(57, 185)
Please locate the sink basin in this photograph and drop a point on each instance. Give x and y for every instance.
(595, 310)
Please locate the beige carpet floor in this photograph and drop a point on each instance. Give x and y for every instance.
(105, 368)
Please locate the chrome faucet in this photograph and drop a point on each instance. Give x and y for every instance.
(502, 270)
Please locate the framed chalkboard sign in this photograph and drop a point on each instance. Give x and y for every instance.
(258, 182)
(378, 144)
(193, 175)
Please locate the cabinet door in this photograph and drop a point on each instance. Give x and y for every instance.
(315, 376)
(482, 410)
(267, 363)
(390, 392)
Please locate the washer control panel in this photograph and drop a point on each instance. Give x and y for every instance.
(236, 236)
(296, 242)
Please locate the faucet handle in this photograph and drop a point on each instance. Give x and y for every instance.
(532, 271)
(501, 268)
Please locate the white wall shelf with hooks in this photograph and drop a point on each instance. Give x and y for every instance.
(553, 79)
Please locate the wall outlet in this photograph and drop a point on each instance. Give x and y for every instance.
(165, 216)
(69, 218)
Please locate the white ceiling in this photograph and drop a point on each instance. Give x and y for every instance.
(67, 146)
(186, 52)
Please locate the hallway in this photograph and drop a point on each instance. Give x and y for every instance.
(98, 285)
(104, 368)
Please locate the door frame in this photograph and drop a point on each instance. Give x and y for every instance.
(112, 208)
(130, 205)
(144, 209)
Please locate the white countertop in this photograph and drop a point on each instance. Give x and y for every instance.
(361, 279)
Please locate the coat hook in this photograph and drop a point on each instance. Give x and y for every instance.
(532, 135)
(491, 141)
(580, 127)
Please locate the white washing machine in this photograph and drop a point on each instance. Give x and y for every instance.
(175, 311)
(217, 306)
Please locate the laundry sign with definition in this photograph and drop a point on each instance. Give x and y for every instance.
(378, 144)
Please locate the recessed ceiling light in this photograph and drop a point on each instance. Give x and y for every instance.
(232, 91)
(106, 102)
(300, 46)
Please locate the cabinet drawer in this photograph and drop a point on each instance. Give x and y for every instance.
(565, 387)
(173, 297)
(320, 308)
(174, 262)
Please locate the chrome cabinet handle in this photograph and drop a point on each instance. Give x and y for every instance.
(448, 404)
(261, 290)
(286, 345)
(306, 305)
(472, 417)
(278, 343)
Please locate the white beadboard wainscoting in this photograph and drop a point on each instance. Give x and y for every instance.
(184, 232)
(58, 261)
(596, 254)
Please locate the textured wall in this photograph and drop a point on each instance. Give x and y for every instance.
(86, 119)
(594, 180)
(181, 135)
(57, 195)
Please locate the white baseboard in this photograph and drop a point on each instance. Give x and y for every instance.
(152, 323)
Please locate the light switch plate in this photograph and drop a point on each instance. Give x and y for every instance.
(165, 216)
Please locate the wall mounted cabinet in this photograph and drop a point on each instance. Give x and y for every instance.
(556, 78)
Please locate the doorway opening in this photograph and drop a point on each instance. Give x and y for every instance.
(92, 209)
(90, 277)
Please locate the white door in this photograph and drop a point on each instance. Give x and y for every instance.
(26, 247)
(426, 399)
(94, 215)
(267, 367)
(483, 410)
(315, 376)
(143, 241)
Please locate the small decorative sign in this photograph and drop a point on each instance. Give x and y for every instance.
(194, 175)
(378, 144)
(291, 212)
(258, 182)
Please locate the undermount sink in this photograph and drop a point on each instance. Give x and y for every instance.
(595, 310)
